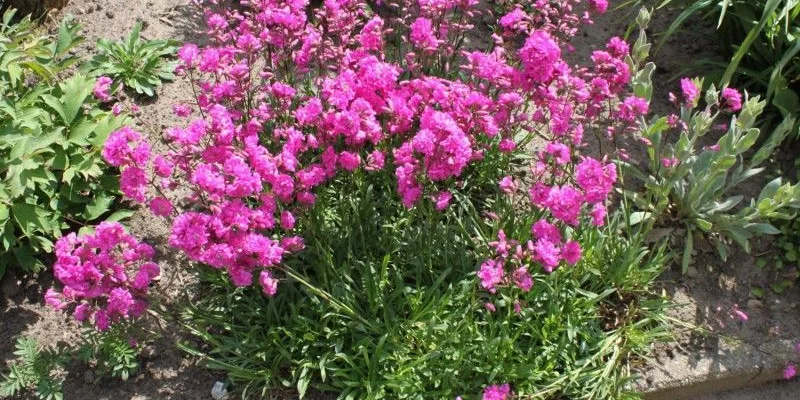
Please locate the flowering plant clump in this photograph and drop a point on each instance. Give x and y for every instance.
(105, 274)
(291, 99)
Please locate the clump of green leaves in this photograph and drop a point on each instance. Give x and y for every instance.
(112, 352)
(699, 192)
(52, 130)
(139, 64)
(36, 369)
(384, 303)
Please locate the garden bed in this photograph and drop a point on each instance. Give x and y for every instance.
(167, 372)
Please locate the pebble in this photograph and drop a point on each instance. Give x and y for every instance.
(691, 272)
(109, 14)
(218, 391)
(754, 303)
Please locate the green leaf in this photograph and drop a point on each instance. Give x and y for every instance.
(687, 251)
(638, 216)
(120, 215)
(74, 91)
(302, 382)
(787, 101)
(98, 206)
(27, 217)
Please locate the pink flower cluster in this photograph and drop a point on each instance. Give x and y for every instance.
(105, 274)
(497, 392)
(287, 101)
(102, 89)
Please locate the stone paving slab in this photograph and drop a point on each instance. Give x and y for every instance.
(775, 391)
(734, 365)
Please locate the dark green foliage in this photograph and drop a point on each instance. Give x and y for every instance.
(52, 176)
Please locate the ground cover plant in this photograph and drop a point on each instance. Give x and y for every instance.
(52, 176)
(446, 126)
(381, 205)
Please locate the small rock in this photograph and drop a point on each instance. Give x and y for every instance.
(754, 303)
(218, 391)
(109, 14)
(98, 7)
(89, 10)
(691, 272)
(88, 376)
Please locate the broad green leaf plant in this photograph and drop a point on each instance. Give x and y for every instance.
(52, 176)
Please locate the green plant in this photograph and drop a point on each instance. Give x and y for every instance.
(694, 186)
(384, 304)
(762, 38)
(35, 369)
(113, 351)
(25, 54)
(52, 176)
(141, 65)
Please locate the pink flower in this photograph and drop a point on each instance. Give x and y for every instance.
(571, 252)
(547, 231)
(669, 162)
(731, 99)
(539, 56)
(287, 220)
(375, 161)
(599, 213)
(739, 314)
(160, 206)
(691, 93)
(126, 146)
(54, 299)
(105, 274)
(599, 6)
(790, 371)
(523, 279)
(491, 274)
(102, 88)
(497, 392)
(422, 35)
(181, 110)
(507, 185)
(633, 107)
(349, 161)
(596, 180)
(268, 284)
(443, 200)
(489, 307)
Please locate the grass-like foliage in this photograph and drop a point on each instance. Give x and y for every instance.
(383, 304)
(142, 65)
(35, 369)
(52, 177)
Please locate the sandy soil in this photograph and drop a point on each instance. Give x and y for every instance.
(167, 373)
